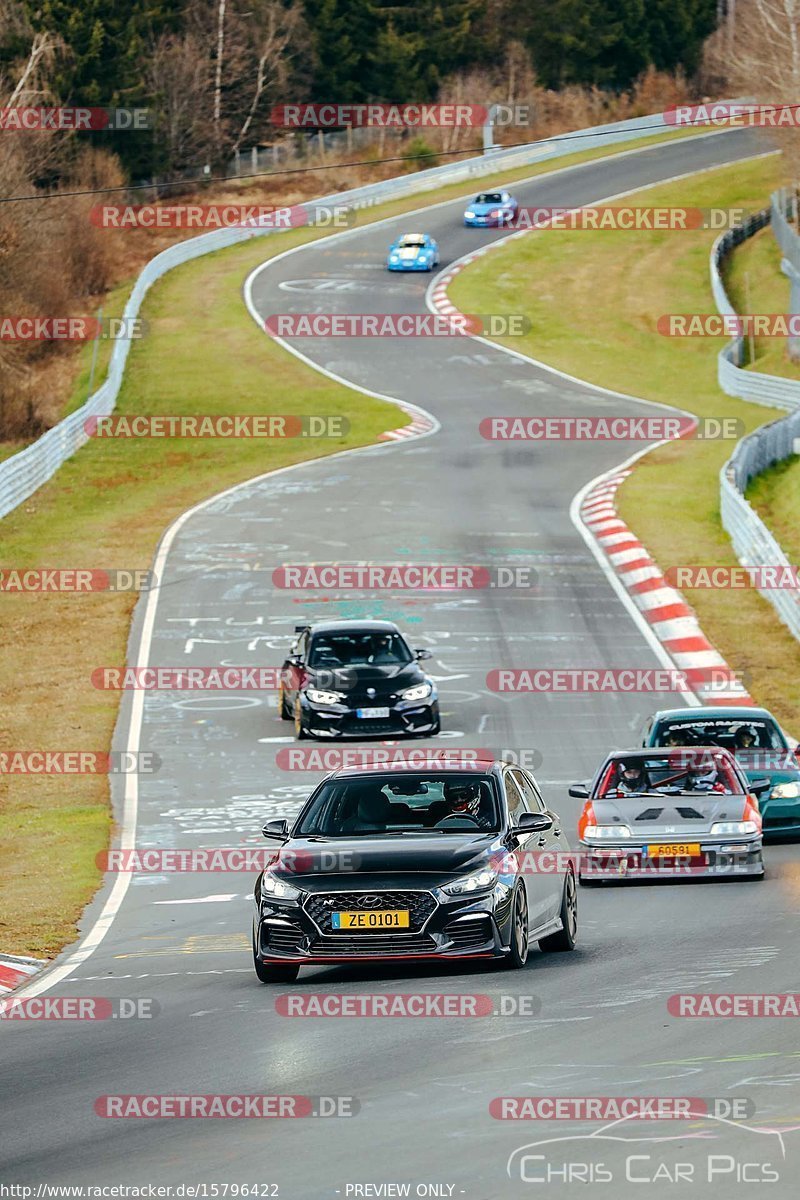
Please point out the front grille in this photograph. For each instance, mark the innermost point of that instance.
(367, 944)
(321, 906)
(771, 822)
(469, 935)
(352, 724)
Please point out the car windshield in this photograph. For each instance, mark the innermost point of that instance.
(411, 239)
(688, 771)
(368, 648)
(445, 802)
(743, 738)
(489, 198)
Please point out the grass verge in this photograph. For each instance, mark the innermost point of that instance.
(108, 506)
(594, 299)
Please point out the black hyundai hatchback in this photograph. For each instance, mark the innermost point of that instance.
(356, 679)
(412, 864)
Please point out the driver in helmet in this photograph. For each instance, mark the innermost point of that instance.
(462, 799)
(745, 737)
(631, 777)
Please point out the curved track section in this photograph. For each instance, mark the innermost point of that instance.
(424, 1086)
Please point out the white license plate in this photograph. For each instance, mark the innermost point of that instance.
(371, 714)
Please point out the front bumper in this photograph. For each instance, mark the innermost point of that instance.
(461, 928)
(482, 222)
(718, 859)
(410, 266)
(405, 719)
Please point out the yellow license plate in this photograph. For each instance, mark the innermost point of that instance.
(397, 918)
(674, 850)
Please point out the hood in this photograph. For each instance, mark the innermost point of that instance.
(681, 816)
(385, 681)
(408, 860)
(777, 766)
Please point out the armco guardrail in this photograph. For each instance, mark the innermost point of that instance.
(22, 474)
(755, 546)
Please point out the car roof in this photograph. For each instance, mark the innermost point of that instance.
(670, 751)
(709, 711)
(354, 626)
(478, 766)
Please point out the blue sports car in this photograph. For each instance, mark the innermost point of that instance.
(491, 208)
(413, 252)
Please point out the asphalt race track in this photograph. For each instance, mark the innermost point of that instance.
(424, 1086)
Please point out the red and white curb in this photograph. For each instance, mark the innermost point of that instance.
(15, 970)
(667, 614)
(420, 426)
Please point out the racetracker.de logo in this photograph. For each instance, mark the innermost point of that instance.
(625, 218)
(434, 1005)
(767, 578)
(770, 116)
(78, 1008)
(70, 329)
(58, 118)
(200, 1107)
(763, 325)
(187, 679)
(609, 429)
(79, 762)
(262, 425)
(761, 1004)
(401, 577)
(397, 116)
(397, 325)
(618, 1108)
(75, 579)
(221, 216)
(624, 679)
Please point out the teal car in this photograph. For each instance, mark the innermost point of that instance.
(759, 744)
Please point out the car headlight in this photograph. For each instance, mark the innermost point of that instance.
(469, 214)
(786, 791)
(319, 697)
(598, 833)
(420, 691)
(394, 258)
(274, 888)
(478, 881)
(730, 828)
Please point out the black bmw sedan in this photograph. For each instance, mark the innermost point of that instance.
(404, 864)
(356, 679)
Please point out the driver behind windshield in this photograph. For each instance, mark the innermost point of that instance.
(631, 777)
(461, 799)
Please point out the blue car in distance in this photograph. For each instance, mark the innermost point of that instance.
(413, 252)
(491, 208)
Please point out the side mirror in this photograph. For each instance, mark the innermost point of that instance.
(797, 752)
(759, 786)
(579, 791)
(276, 829)
(423, 653)
(534, 823)
(294, 660)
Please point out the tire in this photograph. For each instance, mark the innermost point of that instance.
(565, 938)
(517, 957)
(299, 732)
(283, 708)
(275, 972)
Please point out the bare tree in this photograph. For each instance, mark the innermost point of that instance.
(757, 53)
